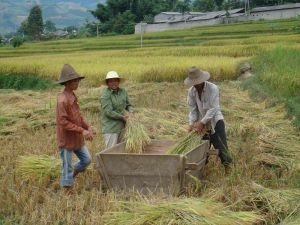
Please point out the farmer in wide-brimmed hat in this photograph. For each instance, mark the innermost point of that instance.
(72, 129)
(116, 109)
(205, 112)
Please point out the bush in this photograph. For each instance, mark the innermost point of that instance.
(17, 41)
(24, 82)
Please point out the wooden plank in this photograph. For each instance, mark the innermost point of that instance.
(147, 165)
(102, 170)
(118, 148)
(198, 153)
(145, 183)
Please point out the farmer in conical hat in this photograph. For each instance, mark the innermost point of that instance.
(116, 109)
(72, 129)
(204, 111)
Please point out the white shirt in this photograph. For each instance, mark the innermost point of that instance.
(207, 109)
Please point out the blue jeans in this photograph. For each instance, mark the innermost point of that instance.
(67, 166)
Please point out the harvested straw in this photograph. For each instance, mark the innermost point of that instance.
(136, 136)
(186, 144)
(38, 167)
(178, 212)
(276, 204)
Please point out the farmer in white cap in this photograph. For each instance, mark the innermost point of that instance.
(205, 112)
(72, 129)
(116, 109)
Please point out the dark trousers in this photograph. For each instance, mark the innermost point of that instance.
(219, 141)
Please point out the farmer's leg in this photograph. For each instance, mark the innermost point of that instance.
(111, 139)
(219, 141)
(84, 157)
(67, 168)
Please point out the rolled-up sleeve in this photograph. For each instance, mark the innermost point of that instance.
(193, 111)
(214, 106)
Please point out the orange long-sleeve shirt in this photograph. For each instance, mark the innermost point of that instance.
(69, 122)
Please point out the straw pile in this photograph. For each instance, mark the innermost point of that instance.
(38, 167)
(186, 144)
(178, 212)
(136, 136)
(275, 204)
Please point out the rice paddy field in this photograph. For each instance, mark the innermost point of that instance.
(263, 187)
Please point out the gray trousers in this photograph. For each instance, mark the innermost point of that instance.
(112, 139)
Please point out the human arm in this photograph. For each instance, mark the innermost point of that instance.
(107, 108)
(193, 110)
(214, 106)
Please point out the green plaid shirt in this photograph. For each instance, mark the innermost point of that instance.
(113, 105)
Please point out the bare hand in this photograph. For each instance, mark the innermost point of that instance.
(92, 130)
(199, 127)
(88, 135)
(190, 128)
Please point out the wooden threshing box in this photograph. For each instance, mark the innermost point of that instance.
(152, 171)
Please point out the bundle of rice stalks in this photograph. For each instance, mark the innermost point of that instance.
(38, 167)
(276, 204)
(186, 144)
(277, 152)
(291, 220)
(178, 212)
(163, 124)
(136, 136)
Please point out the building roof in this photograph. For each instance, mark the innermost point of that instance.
(216, 14)
(171, 13)
(276, 7)
(195, 13)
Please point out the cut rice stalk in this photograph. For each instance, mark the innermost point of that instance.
(38, 167)
(178, 212)
(136, 136)
(186, 144)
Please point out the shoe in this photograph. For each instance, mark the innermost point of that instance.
(227, 169)
(75, 173)
(69, 190)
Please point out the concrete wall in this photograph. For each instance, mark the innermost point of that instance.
(267, 15)
(279, 14)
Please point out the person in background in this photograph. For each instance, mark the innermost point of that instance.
(115, 109)
(72, 129)
(205, 112)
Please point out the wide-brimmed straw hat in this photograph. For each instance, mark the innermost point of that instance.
(196, 76)
(68, 73)
(112, 75)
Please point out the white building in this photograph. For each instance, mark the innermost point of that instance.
(188, 20)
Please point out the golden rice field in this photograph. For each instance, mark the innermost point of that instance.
(263, 187)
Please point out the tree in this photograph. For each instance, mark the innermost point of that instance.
(49, 26)
(219, 4)
(204, 5)
(24, 28)
(35, 22)
(183, 6)
(124, 23)
(17, 41)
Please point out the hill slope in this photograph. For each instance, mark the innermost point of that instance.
(62, 13)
